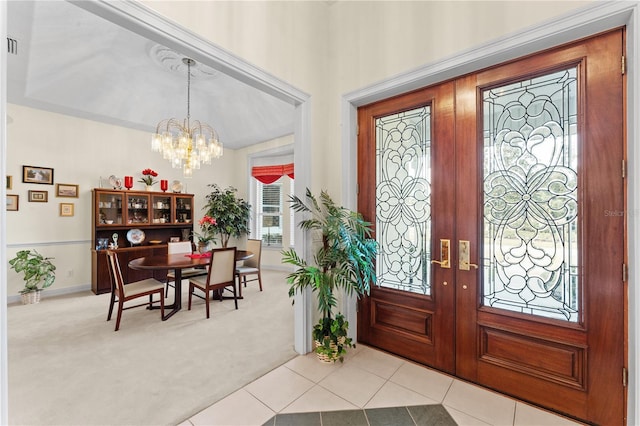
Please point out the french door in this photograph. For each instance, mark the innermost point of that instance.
(497, 200)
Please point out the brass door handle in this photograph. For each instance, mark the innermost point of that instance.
(464, 264)
(445, 254)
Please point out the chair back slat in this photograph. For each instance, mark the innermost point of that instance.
(116, 273)
(255, 247)
(179, 247)
(222, 266)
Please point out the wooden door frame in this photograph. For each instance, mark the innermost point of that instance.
(582, 23)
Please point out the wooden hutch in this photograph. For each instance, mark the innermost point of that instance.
(118, 213)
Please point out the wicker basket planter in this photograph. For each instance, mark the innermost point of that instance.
(31, 297)
(329, 358)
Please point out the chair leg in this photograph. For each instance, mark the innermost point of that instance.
(162, 296)
(120, 309)
(239, 285)
(206, 300)
(190, 293)
(260, 280)
(113, 301)
(235, 296)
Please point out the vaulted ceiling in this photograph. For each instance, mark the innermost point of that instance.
(69, 61)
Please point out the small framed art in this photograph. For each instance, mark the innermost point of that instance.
(67, 190)
(66, 209)
(9, 182)
(12, 202)
(32, 174)
(38, 196)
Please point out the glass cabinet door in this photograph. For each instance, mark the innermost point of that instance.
(137, 209)
(160, 209)
(109, 209)
(184, 209)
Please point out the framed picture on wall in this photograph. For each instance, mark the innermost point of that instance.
(12, 202)
(38, 196)
(32, 174)
(9, 182)
(66, 209)
(67, 190)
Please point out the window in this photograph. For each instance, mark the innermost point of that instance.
(269, 210)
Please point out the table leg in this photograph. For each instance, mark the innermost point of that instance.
(177, 301)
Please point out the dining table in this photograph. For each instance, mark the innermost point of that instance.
(178, 262)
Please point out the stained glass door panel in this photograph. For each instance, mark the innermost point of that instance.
(403, 200)
(531, 142)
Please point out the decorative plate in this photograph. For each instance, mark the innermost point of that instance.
(155, 241)
(135, 236)
(176, 186)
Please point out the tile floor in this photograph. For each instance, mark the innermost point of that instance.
(368, 380)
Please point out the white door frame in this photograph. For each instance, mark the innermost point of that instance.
(591, 20)
(140, 19)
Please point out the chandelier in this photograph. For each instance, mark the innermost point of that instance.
(186, 144)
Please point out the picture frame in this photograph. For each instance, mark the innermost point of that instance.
(9, 182)
(38, 196)
(67, 190)
(174, 239)
(12, 202)
(34, 174)
(66, 209)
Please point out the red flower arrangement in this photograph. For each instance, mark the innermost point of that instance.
(207, 224)
(148, 177)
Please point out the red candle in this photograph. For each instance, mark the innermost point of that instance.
(128, 182)
(164, 185)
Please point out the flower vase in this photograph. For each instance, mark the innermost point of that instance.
(149, 188)
(202, 248)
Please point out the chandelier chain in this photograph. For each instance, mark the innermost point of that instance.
(188, 93)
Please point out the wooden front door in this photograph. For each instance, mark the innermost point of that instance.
(498, 203)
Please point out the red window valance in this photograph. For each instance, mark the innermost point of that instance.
(270, 174)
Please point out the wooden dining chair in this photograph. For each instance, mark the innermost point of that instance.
(221, 275)
(121, 292)
(250, 266)
(186, 248)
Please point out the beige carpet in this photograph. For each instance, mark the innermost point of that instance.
(68, 367)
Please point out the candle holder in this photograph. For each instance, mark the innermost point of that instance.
(164, 185)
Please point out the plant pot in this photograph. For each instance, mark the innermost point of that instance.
(31, 297)
(329, 358)
(149, 188)
(202, 247)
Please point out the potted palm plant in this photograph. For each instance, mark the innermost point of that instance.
(230, 212)
(38, 273)
(344, 260)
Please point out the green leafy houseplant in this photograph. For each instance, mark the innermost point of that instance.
(38, 270)
(343, 261)
(231, 213)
